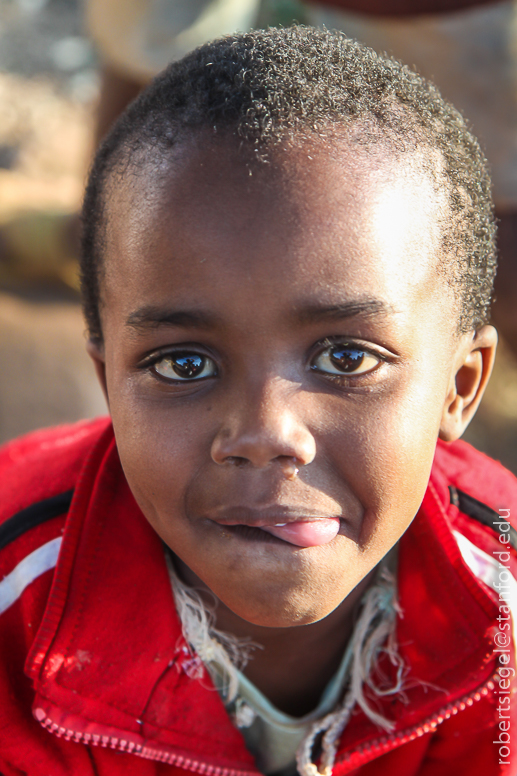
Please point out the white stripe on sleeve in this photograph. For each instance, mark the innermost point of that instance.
(27, 570)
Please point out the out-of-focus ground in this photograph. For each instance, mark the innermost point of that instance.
(45, 376)
(48, 88)
(47, 101)
(45, 140)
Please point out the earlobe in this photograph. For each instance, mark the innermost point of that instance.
(476, 360)
(96, 352)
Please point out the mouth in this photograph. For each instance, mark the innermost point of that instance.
(298, 530)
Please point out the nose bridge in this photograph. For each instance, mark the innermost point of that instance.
(262, 423)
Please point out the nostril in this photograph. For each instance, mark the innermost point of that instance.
(290, 466)
(236, 460)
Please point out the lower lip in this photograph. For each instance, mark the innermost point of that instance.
(302, 533)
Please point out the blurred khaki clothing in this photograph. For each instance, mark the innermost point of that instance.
(140, 37)
(471, 56)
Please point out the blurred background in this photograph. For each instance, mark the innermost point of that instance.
(69, 67)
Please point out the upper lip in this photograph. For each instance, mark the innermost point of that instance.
(268, 516)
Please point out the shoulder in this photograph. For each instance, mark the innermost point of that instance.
(461, 466)
(479, 496)
(43, 465)
(38, 474)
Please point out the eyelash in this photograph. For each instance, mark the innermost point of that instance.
(150, 362)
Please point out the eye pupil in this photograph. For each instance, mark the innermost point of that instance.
(188, 365)
(346, 359)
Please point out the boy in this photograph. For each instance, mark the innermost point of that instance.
(288, 260)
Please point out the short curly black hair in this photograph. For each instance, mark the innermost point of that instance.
(267, 85)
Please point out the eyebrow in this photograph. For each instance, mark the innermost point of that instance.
(150, 317)
(368, 308)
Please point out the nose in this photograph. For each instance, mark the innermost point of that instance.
(261, 429)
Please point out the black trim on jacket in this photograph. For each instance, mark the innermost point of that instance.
(481, 512)
(32, 516)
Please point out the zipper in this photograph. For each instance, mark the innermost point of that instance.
(388, 742)
(141, 750)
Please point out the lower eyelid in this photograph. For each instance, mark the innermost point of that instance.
(350, 379)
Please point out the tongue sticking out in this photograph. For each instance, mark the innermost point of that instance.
(309, 533)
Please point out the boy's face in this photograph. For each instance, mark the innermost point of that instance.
(260, 314)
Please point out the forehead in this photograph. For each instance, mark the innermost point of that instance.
(314, 218)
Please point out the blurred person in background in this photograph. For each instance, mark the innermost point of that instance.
(136, 39)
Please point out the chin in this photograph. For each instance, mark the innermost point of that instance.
(279, 614)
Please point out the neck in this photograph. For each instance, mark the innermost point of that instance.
(295, 664)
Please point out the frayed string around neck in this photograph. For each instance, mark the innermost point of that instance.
(230, 653)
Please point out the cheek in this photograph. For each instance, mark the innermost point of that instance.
(162, 449)
(384, 446)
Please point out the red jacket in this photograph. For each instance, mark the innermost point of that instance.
(94, 675)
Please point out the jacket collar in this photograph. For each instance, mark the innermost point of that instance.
(109, 662)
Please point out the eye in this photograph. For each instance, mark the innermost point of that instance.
(343, 359)
(184, 366)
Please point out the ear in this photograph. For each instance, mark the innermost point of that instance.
(96, 353)
(472, 371)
